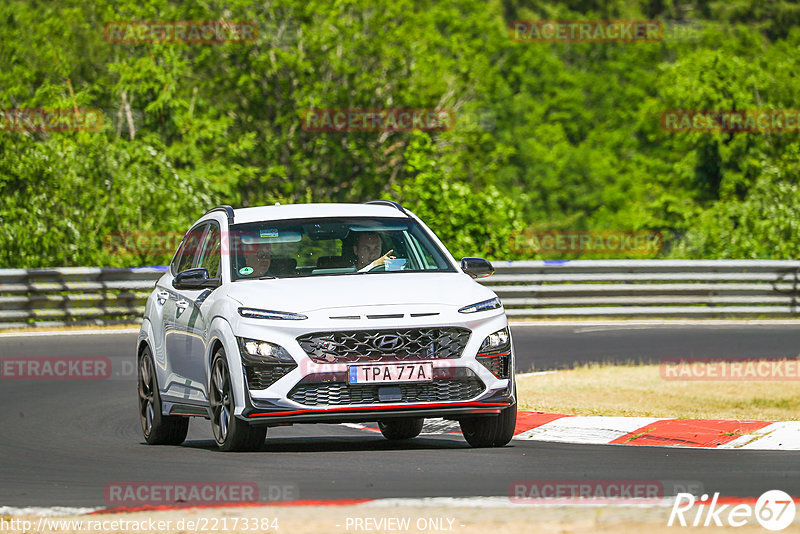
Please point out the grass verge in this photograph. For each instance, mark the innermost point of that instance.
(639, 390)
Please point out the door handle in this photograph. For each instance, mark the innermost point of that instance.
(181, 305)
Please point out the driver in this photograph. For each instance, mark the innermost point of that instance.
(257, 256)
(368, 252)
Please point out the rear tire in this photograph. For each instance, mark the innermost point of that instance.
(490, 431)
(158, 429)
(397, 429)
(230, 432)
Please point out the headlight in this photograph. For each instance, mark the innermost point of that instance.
(253, 313)
(257, 351)
(491, 304)
(495, 342)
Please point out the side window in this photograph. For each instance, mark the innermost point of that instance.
(210, 257)
(421, 254)
(190, 248)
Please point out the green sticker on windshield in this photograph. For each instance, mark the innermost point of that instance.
(244, 271)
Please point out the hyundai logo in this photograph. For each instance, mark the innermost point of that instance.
(388, 342)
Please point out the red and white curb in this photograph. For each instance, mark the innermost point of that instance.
(698, 433)
(653, 431)
(427, 502)
(439, 502)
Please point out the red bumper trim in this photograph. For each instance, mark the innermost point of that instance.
(490, 355)
(369, 408)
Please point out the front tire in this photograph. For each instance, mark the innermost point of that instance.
(230, 432)
(490, 431)
(398, 429)
(158, 429)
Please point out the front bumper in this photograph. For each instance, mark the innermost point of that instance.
(314, 392)
(275, 415)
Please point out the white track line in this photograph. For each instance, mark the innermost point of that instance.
(438, 426)
(45, 511)
(431, 502)
(49, 333)
(502, 502)
(534, 373)
(357, 426)
(783, 435)
(598, 430)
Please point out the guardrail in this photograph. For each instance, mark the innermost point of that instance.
(652, 288)
(587, 288)
(74, 295)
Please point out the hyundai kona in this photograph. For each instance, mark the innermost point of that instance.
(322, 313)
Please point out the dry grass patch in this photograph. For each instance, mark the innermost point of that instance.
(639, 390)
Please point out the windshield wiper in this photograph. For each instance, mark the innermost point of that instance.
(268, 277)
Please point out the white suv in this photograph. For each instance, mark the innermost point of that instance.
(322, 313)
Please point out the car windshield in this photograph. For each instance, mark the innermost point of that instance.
(332, 246)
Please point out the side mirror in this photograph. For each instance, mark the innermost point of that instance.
(194, 279)
(477, 267)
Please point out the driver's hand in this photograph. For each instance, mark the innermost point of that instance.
(382, 259)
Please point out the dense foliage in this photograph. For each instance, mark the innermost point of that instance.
(547, 136)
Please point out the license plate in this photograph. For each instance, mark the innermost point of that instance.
(390, 373)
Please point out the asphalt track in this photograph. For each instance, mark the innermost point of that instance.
(64, 441)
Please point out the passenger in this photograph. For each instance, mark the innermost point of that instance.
(258, 257)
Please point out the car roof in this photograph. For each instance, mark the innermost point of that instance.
(306, 211)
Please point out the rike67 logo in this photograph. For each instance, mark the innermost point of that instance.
(774, 510)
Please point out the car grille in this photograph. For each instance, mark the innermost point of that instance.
(339, 393)
(263, 376)
(353, 346)
(497, 365)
